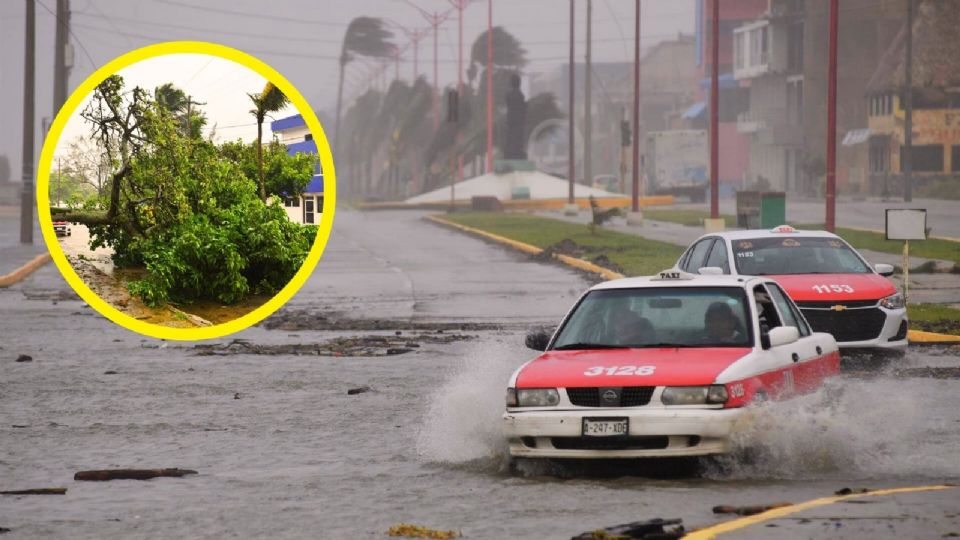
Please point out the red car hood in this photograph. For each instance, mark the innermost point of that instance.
(835, 287)
(674, 367)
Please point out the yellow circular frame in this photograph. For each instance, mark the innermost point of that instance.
(43, 199)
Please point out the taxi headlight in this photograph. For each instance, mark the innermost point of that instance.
(511, 397)
(537, 397)
(894, 301)
(694, 395)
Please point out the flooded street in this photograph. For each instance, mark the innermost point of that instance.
(283, 451)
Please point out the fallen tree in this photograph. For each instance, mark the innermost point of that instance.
(130, 474)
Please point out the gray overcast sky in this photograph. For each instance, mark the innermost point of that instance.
(301, 39)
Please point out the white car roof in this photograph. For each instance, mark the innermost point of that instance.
(770, 233)
(683, 280)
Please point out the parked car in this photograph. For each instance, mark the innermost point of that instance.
(836, 289)
(62, 228)
(661, 366)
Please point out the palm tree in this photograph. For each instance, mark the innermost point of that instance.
(366, 36)
(268, 101)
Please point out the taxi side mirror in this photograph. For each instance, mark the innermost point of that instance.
(783, 335)
(537, 339)
(885, 270)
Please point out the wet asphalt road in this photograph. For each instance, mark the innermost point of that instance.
(296, 457)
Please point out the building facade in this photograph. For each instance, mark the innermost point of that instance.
(296, 136)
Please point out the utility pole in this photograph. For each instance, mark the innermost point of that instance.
(489, 160)
(587, 103)
(571, 123)
(907, 159)
(832, 120)
(62, 62)
(26, 200)
(460, 6)
(635, 173)
(714, 113)
(435, 20)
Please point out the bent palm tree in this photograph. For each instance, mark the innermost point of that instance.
(268, 101)
(366, 36)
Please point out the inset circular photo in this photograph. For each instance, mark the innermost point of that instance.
(186, 190)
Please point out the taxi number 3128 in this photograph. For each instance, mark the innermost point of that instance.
(619, 370)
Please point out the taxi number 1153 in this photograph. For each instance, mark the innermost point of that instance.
(826, 289)
(619, 370)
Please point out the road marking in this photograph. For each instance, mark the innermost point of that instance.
(728, 526)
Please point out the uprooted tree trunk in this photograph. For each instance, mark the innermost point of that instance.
(130, 474)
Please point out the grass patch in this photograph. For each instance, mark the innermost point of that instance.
(688, 217)
(927, 249)
(636, 256)
(934, 318)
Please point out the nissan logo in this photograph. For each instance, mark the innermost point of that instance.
(610, 396)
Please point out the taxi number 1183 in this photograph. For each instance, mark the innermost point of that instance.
(619, 370)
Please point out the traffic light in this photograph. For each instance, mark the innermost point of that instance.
(625, 133)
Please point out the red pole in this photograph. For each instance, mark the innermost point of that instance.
(436, 111)
(571, 152)
(714, 116)
(635, 176)
(461, 4)
(832, 121)
(489, 164)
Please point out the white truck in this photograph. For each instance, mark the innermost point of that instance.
(678, 163)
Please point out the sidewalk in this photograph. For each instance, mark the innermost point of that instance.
(934, 288)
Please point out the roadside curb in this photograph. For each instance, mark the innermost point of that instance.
(573, 262)
(931, 338)
(20, 273)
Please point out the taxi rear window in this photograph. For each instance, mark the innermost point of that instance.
(785, 255)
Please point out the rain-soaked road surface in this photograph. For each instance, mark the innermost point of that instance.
(284, 452)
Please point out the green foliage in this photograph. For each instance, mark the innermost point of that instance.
(189, 212)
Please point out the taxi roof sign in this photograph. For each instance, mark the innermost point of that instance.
(672, 274)
(783, 229)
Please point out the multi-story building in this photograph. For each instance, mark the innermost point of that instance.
(293, 133)
(935, 146)
(768, 57)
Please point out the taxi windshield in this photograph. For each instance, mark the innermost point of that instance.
(658, 317)
(796, 255)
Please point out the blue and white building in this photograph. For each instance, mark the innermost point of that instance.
(293, 133)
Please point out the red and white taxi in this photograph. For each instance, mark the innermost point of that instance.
(836, 289)
(662, 366)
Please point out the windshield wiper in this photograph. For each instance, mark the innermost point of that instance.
(664, 345)
(581, 346)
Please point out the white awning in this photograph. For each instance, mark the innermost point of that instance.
(856, 136)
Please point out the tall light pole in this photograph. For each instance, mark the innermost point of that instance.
(714, 113)
(435, 19)
(635, 173)
(460, 6)
(489, 160)
(61, 64)
(907, 165)
(26, 198)
(587, 103)
(832, 120)
(571, 152)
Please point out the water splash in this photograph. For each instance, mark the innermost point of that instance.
(860, 428)
(462, 424)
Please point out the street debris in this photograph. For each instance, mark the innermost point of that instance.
(747, 510)
(659, 529)
(36, 491)
(595, 254)
(110, 372)
(928, 372)
(366, 346)
(4, 530)
(24, 358)
(408, 530)
(358, 390)
(130, 474)
(298, 320)
(848, 491)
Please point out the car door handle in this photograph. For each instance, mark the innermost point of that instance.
(796, 357)
(819, 350)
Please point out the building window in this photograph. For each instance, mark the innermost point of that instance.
(308, 214)
(291, 202)
(955, 158)
(879, 158)
(926, 158)
(795, 101)
(319, 204)
(795, 48)
(308, 137)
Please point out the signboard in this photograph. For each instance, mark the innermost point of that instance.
(906, 224)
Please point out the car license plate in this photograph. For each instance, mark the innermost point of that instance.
(605, 427)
